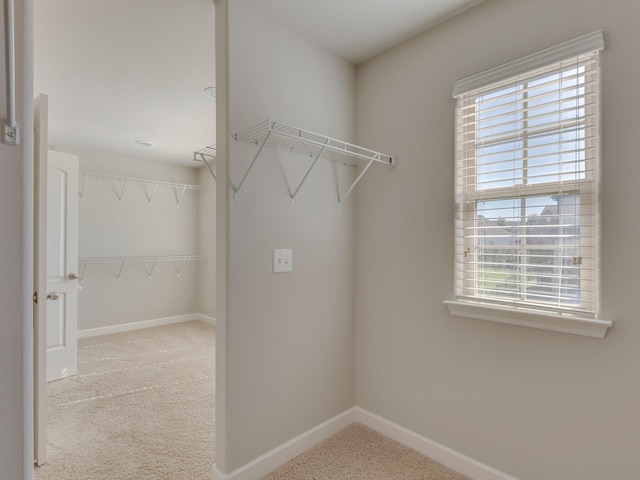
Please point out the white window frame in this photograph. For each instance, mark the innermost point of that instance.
(522, 313)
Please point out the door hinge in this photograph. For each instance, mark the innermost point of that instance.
(35, 297)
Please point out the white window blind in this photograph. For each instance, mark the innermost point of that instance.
(527, 170)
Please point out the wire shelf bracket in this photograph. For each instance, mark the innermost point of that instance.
(207, 155)
(149, 261)
(270, 133)
(150, 186)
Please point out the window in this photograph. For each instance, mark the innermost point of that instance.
(527, 175)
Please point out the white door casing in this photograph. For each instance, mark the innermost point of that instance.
(40, 279)
(62, 265)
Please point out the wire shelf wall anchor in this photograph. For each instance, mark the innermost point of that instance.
(153, 262)
(270, 133)
(179, 196)
(153, 191)
(124, 185)
(83, 188)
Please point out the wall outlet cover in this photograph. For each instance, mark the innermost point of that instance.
(282, 260)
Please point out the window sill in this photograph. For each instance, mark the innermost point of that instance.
(589, 327)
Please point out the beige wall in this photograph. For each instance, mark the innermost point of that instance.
(534, 404)
(14, 246)
(207, 244)
(11, 309)
(109, 227)
(288, 337)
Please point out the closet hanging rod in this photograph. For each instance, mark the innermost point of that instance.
(159, 258)
(178, 188)
(207, 155)
(146, 181)
(11, 131)
(148, 260)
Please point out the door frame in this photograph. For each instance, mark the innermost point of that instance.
(40, 279)
(25, 24)
(25, 27)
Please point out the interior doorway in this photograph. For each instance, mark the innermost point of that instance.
(131, 89)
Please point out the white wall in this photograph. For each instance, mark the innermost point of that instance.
(110, 227)
(288, 338)
(207, 244)
(534, 404)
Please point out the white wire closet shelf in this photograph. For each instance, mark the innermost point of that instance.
(150, 262)
(151, 186)
(270, 133)
(207, 155)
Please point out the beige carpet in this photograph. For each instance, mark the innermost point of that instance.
(360, 453)
(141, 407)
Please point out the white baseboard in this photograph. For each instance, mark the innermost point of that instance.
(156, 322)
(206, 319)
(280, 455)
(432, 449)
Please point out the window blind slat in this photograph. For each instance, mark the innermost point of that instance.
(514, 175)
(491, 110)
(491, 98)
(472, 160)
(533, 134)
(538, 296)
(535, 307)
(548, 121)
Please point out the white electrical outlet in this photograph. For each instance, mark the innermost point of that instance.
(282, 260)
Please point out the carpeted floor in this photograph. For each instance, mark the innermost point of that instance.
(141, 407)
(360, 453)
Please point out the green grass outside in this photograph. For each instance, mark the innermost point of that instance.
(491, 278)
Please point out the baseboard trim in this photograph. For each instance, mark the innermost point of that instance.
(432, 449)
(206, 319)
(280, 455)
(156, 322)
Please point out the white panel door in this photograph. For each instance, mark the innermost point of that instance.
(62, 265)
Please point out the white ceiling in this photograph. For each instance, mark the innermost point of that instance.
(358, 30)
(117, 71)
